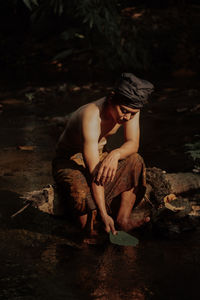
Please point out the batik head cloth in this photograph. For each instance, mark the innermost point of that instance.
(134, 91)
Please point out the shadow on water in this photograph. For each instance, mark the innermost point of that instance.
(40, 260)
(32, 255)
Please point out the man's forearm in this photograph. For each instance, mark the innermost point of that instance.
(91, 158)
(98, 194)
(126, 149)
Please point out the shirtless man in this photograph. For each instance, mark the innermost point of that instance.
(89, 178)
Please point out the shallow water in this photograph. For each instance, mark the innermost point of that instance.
(41, 257)
(37, 264)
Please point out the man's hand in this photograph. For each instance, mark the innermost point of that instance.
(109, 224)
(108, 168)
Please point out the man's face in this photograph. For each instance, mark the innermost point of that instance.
(124, 113)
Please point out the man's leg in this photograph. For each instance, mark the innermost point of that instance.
(87, 222)
(71, 179)
(124, 219)
(83, 220)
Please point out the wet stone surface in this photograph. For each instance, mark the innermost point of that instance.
(41, 257)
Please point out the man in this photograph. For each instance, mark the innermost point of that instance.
(89, 178)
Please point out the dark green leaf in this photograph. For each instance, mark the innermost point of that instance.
(123, 239)
(29, 3)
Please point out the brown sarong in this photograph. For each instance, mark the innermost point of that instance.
(73, 181)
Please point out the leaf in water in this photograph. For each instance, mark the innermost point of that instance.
(123, 238)
(80, 36)
(12, 101)
(26, 148)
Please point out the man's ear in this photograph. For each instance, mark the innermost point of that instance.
(110, 96)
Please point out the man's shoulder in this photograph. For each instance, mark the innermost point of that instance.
(83, 111)
(90, 110)
(88, 113)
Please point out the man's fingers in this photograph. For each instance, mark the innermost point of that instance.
(100, 172)
(113, 229)
(107, 229)
(108, 177)
(113, 175)
(104, 175)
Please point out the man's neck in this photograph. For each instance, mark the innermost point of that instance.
(106, 114)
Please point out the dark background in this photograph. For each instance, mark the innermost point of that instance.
(56, 55)
(85, 45)
(76, 39)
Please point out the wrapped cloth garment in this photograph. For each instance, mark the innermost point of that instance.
(73, 181)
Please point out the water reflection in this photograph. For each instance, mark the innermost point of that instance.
(113, 274)
(98, 272)
(41, 259)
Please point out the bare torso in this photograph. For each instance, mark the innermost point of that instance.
(72, 139)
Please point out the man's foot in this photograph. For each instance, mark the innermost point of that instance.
(132, 222)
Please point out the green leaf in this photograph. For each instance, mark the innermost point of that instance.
(28, 3)
(35, 2)
(123, 238)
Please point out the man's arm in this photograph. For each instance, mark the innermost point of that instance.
(91, 133)
(130, 146)
(131, 136)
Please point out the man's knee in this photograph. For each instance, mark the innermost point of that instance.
(137, 170)
(135, 159)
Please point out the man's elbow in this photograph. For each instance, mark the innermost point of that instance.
(135, 150)
(134, 147)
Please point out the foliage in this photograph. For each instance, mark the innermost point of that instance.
(193, 150)
(99, 24)
(30, 3)
(116, 34)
